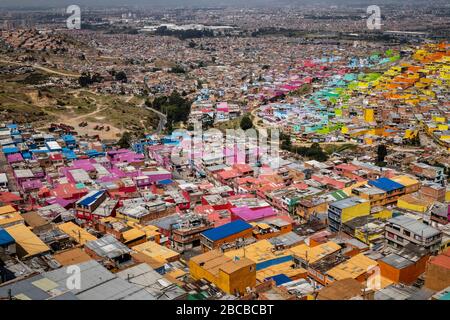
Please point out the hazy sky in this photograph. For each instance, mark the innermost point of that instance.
(189, 3)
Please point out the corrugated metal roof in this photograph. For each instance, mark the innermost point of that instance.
(226, 230)
(386, 184)
(90, 198)
(280, 279)
(5, 238)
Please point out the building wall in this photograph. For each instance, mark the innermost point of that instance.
(436, 277)
(232, 283)
(406, 275)
(283, 230)
(411, 206)
(238, 281)
(243, 234)
(359, 210)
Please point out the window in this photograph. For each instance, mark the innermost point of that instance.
(390, 235)
(407, 233)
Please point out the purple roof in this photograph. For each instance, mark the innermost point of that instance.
(16, 157)
(31, 184)
(85, 164)
(62, 202)
(247, 214)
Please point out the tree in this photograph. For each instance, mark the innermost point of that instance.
(246, 122)
(125, 140)
(286, 143)
(85, 79)
(121, 76)
(381, 153)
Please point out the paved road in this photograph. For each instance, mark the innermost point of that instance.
(162, 119)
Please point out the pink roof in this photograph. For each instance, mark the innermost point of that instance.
(247, 214)
(347, 167)
(16, 157)
(31, 184)
(85, 164)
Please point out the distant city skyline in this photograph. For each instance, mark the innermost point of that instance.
(47, 4)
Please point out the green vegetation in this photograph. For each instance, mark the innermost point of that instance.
(174, 106)
(304, 89)
(87, 79)
(246, 122)
(125, 140)
(314, 152)
(337, 148)
(177, 69)
(184, 34)
(381, 154)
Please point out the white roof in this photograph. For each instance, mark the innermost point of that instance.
(24, 173)
(3, 178)
(53, 145)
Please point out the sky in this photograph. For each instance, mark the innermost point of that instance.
(186, 3)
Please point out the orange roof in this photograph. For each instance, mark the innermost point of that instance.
(441, 260)
(66, 190)
(228, 174)
(242, 167)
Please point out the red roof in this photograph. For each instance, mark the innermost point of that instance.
(67, 190)
(228, 174)
(8, 197)
(441, 260)
(56, 157)
(243, 167)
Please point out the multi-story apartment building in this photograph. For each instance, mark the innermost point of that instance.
(403, 230)
(344, 210)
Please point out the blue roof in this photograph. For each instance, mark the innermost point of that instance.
(165, 181)
(43, 150)
(226, 230)
(26, 155)
(386, 184)
(68, 138)
(5, 238)
(70, 155)
(10, 150)
(445, 296)
(12, 126)
(273, 262)
(91, 198)
(280, 279)
(93, 153)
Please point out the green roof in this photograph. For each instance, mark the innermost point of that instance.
(339, 195)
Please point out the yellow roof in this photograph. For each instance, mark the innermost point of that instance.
(405, 180)
(78, 234)
(27, 240)
(314, 254)
(282, 268)
(149, 230)
(352, 268)
(156, 251)
(8, 219)
(7, 209)
(349, 189)
(263, 225)
(132, 234)
(258, 252)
